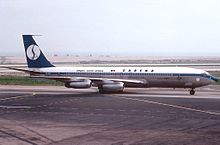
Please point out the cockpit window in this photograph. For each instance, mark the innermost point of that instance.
(204, 74)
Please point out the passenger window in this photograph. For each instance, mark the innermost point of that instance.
(146, 70)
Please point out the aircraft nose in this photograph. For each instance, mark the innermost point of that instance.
(214, 78)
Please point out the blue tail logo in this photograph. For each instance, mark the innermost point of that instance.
(34, 55)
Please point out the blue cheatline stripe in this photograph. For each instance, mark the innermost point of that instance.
(140, 74)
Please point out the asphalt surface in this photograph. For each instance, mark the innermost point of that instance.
(60, 116)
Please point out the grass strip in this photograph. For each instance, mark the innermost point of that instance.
(25, 80)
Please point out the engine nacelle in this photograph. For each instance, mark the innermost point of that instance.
(112, 87)
(79, 84)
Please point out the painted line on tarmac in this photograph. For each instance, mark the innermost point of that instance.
(173, 106)
(213, 96)
(17, 97)
(15, 107)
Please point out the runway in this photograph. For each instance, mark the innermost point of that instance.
(59, 116)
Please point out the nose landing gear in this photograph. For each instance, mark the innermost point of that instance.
(192, 92)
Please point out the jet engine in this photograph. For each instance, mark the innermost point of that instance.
(79, 84)
(111, 87)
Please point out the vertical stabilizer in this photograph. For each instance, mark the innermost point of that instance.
(34, 55)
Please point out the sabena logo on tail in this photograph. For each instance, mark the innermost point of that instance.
(33, 52)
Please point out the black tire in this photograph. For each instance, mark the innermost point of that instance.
(101, 91)
(192, 92)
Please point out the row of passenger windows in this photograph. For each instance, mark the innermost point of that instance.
(143, 74)
(122, 73)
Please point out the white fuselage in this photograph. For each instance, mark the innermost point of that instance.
(170, 77)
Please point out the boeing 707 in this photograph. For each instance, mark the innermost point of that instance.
(112, 79)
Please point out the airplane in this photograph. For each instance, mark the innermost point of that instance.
(112, 79)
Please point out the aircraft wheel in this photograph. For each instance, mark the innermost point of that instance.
(101, 91)
(192, 92)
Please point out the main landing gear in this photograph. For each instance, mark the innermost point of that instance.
(192, 92)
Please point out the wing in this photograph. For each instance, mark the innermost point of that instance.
(96, 81)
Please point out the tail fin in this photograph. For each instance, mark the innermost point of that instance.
(34, 55)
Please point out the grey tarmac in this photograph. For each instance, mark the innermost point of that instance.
(54, 115)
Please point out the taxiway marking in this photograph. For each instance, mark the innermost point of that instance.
(17, 97)
(15, 107)
(173, 106)
(212, 96)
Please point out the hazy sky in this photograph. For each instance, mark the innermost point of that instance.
(113, 27)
